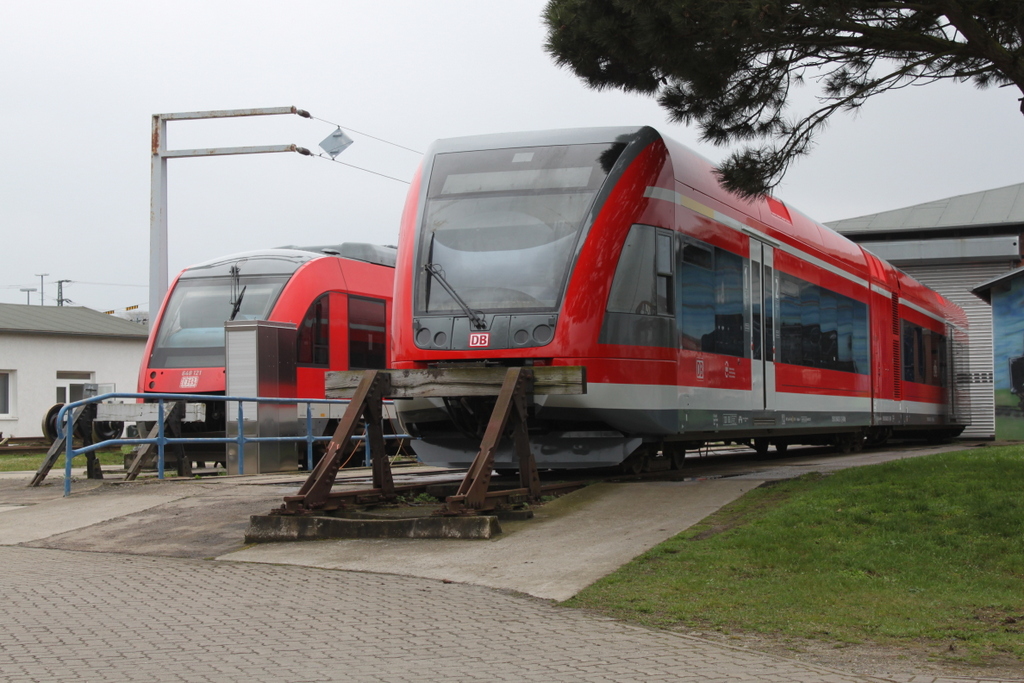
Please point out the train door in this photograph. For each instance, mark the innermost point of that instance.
(763, 309)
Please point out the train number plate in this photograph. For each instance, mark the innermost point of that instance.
(479, 339)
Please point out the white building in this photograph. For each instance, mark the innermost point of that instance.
(48, 354)
(952, 245)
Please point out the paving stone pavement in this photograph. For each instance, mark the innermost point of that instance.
(79, 616)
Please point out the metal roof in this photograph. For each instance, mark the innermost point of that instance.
(984, 290)
(68, 320)
(990, 207)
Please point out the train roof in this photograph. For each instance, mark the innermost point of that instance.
(537, 138)
(768, 215)
(286, 260)
(379, 254)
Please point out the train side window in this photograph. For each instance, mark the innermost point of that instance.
(367, 333)
(711, 304)
(820, 328)
(663, 268)
(634, 284)
(924, 355)
(756, 301)
(314, 334)
(769, 315)
(640, 303)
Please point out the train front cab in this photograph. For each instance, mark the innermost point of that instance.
(341, 308)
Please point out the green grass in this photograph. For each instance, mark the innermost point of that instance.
(924, 550)
(30, 462)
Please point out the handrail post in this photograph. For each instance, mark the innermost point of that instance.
(241, 439)
(160, 440)
(367, 456)
(309, 436)
(68, 450)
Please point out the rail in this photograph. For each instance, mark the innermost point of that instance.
(161, 440)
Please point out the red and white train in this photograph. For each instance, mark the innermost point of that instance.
(699, 316)
(339, 296)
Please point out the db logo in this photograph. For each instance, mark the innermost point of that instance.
(478, 339)
(700, 368)
(189, 382)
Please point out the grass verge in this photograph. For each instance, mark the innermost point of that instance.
(30, 462)
(922, 550)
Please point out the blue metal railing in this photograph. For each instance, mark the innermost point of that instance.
(161, 440)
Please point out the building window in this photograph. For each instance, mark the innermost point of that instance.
(6, 384)
(71, 385)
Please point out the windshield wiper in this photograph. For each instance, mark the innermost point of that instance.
(237, 304)
(474, 316)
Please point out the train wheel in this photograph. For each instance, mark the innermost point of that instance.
(940, 437)
(781, 447)
(850, 443)
(760, 445)
(104, 431)
(634, 464)
(877, 437)
(49, 426)
(677, 458)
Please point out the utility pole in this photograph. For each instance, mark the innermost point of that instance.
(28, 293)
(158, 275)
(60, 292)
(41, 276)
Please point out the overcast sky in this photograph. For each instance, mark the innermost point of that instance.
(81, 81)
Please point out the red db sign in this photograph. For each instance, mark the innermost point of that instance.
(479, 339)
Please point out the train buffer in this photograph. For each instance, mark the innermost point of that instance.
(367, 389)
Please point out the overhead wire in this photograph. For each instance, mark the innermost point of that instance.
(360, 168)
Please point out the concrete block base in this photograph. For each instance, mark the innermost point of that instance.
(277, 528)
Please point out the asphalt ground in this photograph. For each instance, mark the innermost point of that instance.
(152, 581)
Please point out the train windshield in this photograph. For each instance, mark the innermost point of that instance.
(501, 226)
(191, 333)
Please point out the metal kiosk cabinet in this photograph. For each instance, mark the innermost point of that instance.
(261, 363)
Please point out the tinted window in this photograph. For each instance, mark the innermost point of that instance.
(502, 224)
(643, 277)
(820, 328)
(640, 302)
(367, 334)
(924, 355)
(711, 302)
(191, 331)
(314, 334)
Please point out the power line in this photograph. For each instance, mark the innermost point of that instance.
(360, 168)
(104, 284)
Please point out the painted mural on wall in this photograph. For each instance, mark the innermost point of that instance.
(1008, 342)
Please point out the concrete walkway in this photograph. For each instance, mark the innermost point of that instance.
(571, 542)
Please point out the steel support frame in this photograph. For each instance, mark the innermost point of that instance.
(315, 494)
(473, 495)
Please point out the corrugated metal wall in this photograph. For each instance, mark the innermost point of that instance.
(955, 282)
